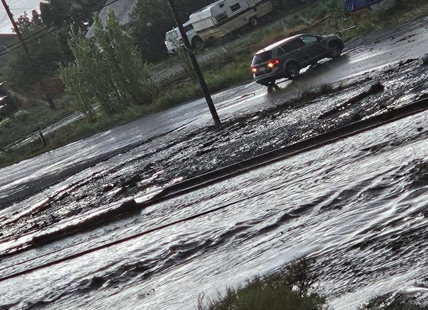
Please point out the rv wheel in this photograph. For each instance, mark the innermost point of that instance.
(253, 21)
(196, 41)
(210, 42)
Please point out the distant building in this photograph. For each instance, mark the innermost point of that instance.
(122, 9)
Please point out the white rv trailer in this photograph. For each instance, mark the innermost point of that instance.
(224, 16)
(173, 38)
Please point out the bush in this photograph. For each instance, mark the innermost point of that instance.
(287, 288)
(21, 115)
(5, 122)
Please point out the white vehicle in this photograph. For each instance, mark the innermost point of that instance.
(225, 16)
(173, 38)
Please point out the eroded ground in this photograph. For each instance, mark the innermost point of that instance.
(100, 194)
(167, 160)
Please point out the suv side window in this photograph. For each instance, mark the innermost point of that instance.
(290, 46)
(309, 39)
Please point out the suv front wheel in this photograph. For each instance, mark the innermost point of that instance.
(334, 49)
(292, 70)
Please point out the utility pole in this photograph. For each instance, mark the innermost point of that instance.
(195, 64)
(24, 46)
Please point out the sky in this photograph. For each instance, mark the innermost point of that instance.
(17, 7)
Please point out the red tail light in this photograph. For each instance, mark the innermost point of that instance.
(254, 69)
(272, 63)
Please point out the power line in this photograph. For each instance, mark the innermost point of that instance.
(44, 31)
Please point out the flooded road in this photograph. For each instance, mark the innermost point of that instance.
(365, 56)
(358, 205)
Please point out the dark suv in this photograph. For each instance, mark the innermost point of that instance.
(285, 58)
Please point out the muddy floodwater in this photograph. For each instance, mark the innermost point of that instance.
(83, 237)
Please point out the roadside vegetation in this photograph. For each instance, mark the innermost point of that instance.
(393, 302)
(119, 85)
(123, 73)
(292, 287)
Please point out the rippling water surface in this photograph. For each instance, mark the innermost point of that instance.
(358, 205)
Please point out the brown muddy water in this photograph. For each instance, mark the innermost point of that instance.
(359, 206)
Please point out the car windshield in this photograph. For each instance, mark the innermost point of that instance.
(171, 35)
(261, 58)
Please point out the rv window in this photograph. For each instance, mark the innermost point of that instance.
(220, 17)
(235, 7)
(188, 27)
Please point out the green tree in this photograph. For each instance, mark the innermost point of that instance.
(59, 14)
(108, 71)
(79, 13)
(45, 51)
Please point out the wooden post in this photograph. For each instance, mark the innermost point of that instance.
(42, 137)
(195, 64)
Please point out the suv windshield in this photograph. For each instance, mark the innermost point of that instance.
(261, 58)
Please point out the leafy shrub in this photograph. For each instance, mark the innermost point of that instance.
(287, 288)
(5, 122)
(22, 115)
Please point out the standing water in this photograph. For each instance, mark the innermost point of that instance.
(358, 206)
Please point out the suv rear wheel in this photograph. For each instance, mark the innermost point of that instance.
(292, 70)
